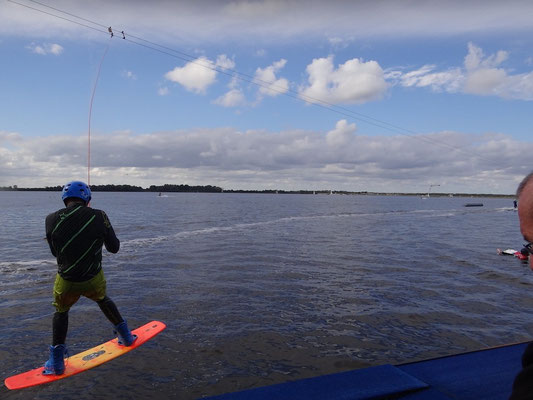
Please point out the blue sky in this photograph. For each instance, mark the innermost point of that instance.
(410, 93)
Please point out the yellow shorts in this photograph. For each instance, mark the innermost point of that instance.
(67, 293)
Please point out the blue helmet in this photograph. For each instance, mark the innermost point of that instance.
(77, 189)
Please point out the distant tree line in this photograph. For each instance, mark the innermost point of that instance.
(215, 189)
(127, 188)
(116, 188)
(44, 189)
(184, 188)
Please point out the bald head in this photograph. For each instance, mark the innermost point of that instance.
(525, 209)
(524, 193)
(525, 182)
(525, 203)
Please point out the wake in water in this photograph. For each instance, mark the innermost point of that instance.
(22, 267)
(151, 241)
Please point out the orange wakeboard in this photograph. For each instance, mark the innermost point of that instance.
(87, 359)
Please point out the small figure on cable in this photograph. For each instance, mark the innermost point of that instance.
(123, 35)
(110, 31)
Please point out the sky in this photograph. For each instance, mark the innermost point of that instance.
(371, 95)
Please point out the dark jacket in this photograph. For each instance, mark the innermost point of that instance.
(523, 383)
(76, 235)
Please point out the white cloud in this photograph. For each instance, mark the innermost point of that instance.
(340, 42)
(233, 98)
(10, 137)
(342, 134)
(480, 75)
(267, 21)
(354, 82)
(484, 77)
(485, 81)
(451, 80)
(335, 41)
(46, 49)
(196, 76)
(293, 159)
(129, 75)
(224, 62)
(163, 91)
(475, 59)
(270, 85)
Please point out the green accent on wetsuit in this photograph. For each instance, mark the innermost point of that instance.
(64, 217)
(76, 235)
(79, 259)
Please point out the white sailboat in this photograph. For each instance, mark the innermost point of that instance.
(429, 190)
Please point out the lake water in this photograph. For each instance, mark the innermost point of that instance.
(258, 289)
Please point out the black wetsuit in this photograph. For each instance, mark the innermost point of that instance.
(76, 235)
(523, 383)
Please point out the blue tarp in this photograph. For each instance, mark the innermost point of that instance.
(485, 374)
(367, 383)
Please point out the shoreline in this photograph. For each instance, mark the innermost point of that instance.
(215, 189)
